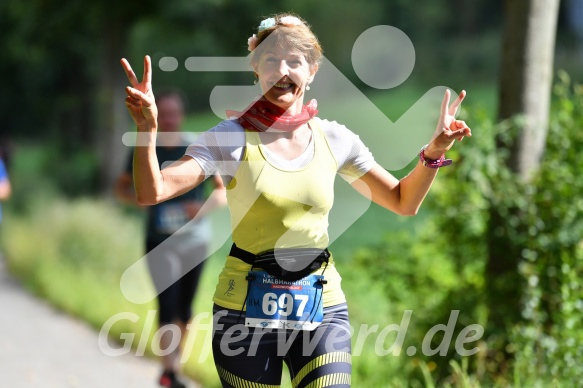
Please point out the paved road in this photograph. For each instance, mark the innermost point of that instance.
(41, 347)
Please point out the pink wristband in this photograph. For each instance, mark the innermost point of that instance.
(431, 163)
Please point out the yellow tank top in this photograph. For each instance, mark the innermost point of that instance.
(276, 208)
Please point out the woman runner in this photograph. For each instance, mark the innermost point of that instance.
(279, 297)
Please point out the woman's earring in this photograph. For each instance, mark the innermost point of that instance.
(308, 87)
(255, 81)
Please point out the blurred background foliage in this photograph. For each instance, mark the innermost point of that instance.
(63, 113)
(445, 258)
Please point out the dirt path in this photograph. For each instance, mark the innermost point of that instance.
(42, 347)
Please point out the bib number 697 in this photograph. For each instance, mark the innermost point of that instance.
(284, 304)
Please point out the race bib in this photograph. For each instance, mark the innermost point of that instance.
(275, 303)
(169, 217)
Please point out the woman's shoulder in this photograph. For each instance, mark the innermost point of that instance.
(222, 143)
(334, 130)
(346, 146)
(227, 133)
(227, 126)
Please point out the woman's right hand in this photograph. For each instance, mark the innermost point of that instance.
(140, 100)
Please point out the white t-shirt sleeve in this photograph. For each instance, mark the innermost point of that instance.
(220, 149)
(353, 157)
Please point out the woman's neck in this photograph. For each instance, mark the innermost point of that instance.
(294, 110)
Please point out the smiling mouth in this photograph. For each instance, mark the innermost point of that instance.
(283, 85)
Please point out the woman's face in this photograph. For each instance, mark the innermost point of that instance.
(283, 77)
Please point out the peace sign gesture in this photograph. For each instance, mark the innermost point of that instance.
(448, 128)
(140, 100)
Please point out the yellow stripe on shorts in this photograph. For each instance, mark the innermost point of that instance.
(317, 362)
(239, 382)
(330, 380)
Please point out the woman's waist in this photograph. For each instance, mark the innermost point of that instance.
(235, 264)
(233, 283)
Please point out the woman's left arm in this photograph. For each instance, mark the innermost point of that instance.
(404, 197)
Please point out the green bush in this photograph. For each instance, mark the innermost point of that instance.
(551, 338)
(442, 267)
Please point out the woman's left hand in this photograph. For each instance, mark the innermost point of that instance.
(448, 128)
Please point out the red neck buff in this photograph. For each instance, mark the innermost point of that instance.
(262, 115)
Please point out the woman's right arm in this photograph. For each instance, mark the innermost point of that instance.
(152, 184)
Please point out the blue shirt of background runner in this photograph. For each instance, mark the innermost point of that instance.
(3, 177)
